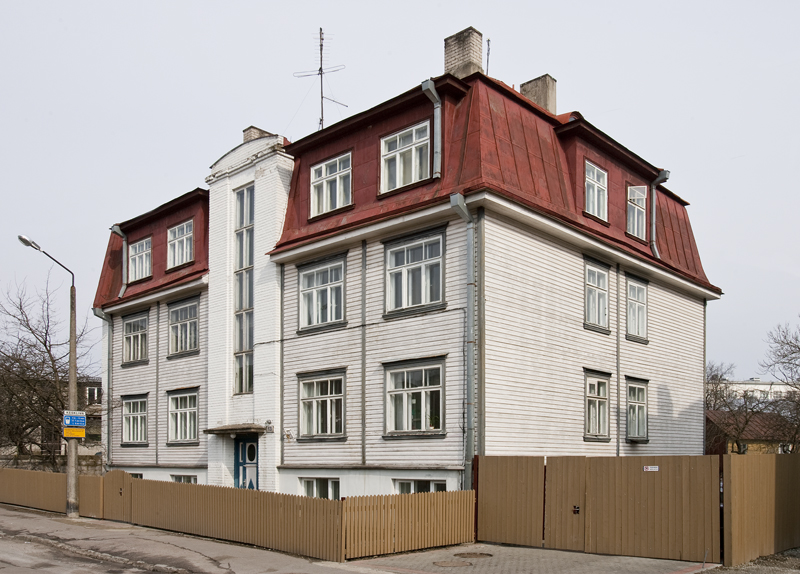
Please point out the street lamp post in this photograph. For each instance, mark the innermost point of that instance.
(72, 397)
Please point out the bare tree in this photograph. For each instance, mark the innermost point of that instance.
(782, 361)
(34, 365)
(717, 386)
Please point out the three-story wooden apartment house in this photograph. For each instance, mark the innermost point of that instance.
(153, 299)
(463, 271)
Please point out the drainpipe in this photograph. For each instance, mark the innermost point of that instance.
(118, 231)
(109, 369)
(430, 91)
(663, 176)
(460, 207)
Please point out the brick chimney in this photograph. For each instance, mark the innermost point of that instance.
(253, 133)
(541, 91)
(463, 53)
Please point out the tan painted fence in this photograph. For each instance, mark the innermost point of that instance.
(762, 505)
(375, 525)
(603, 505)
(325, 529)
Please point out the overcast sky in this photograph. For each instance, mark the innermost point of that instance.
(109, 109)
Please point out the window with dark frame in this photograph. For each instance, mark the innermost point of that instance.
(134, 339)
(322, 294)
(183, 327)
(134, 420)
(322, 406)
(415, 398)
(414, 273)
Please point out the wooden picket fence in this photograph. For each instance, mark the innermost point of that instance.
(333, 530)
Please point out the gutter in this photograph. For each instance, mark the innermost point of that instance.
(109, 368)
(115, 229)
(430, 90)
(663, 176)
(458, 205)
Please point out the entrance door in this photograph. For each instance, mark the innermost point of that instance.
(247, 462)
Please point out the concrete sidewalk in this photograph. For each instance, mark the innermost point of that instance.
(119, 544)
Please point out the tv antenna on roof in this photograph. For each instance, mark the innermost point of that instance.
(321, 72)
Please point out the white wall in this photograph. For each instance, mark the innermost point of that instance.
(537, 349)
(269, 171)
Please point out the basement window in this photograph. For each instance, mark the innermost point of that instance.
(415, 486)
(405, 157)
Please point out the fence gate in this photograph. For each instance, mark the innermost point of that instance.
(117, 496)
(565, 503)
(511, 499)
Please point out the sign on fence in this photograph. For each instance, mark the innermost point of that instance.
(651, 469)
(74, 432)
(74, 421)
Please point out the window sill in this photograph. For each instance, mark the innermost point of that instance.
(312, 329)
(588, 438)
(595, 218)
(134, 445)
(321, 438)
(141, 280)
(596, 328)
(182, 354)
(411, 311)
(130, 364)
(636, 238)
(184, 443)
(243, 394)
(179, 267)
(410, 435)
(637, 440)
(637, 339)
(336, 211)
(382, 194)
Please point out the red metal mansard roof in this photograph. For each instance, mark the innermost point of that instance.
(494, 139)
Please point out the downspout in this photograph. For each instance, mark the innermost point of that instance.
(118, 231)
(460, 207)
(663, 176)
(430, 91)
(109, 369)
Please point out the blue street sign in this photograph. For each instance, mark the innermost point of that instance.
(73, 421)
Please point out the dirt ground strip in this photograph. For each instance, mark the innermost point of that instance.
(788, 561)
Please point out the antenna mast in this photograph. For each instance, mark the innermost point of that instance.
(321, 72)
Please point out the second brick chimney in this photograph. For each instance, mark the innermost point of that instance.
(463, 53)
(253, 133)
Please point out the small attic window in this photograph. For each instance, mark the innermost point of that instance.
(637, 196)
(405, 157)
(596, 191)
(331, 185)
(139, 260)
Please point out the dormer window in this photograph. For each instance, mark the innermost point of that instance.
(596, 191)
(180, 245)
(405, 157)
(637, 195)
(330, 185)
(139, 260)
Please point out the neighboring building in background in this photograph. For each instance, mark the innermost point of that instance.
(763, 390)
(153, 297)
(247, 201)
(588, 309)
(740, 433)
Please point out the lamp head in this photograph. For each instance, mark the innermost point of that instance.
(28, 242)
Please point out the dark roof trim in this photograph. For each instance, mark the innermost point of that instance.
(172, 205)
(582, 129)
(445, 85)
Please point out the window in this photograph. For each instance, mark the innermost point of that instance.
(404, 157)
(330, 185)
(415, 399)
(321, 487)
(637, 309)
(637, 195)
(596, 296)
(414, 273)
(180, 247)
(413, 486)
(321, 292)
(183, 328)
(135, 339)
(94, 395)
(136, 475)
(596, 191)
(183, 417)
(243, 290)
(596, 407)
(134, 420)
(185, 478)
(637, 410)
(139, 260)
(322, 407)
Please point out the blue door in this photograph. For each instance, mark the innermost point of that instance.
(246, 462)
